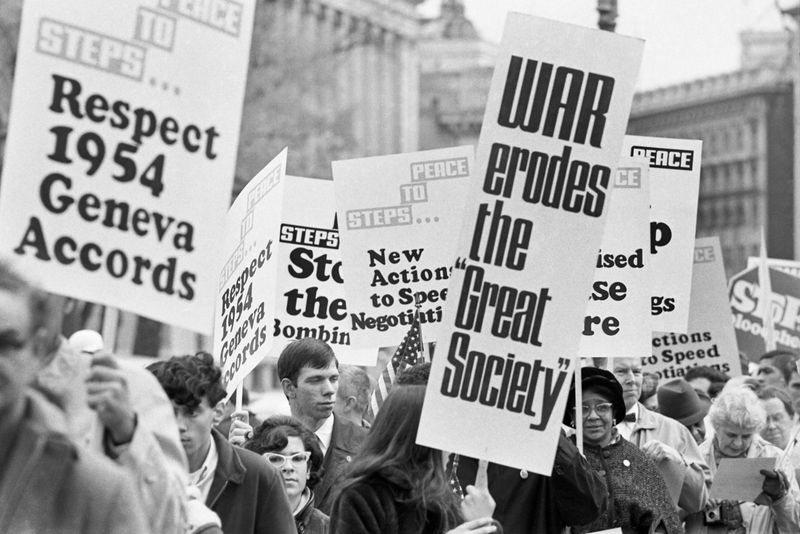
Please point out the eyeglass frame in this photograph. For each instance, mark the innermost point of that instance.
(608, 408)
(305, 454)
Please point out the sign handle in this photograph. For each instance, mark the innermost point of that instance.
(578, 415)
(239, 394)
(110, 324)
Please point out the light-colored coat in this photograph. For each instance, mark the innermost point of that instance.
(781, 517)
(52, 486)
(697, 475)
(154, 458)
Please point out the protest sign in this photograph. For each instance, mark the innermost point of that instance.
(310, 296)
(121, 150)
(787, 266)
(710, 339)
(747, 305)
(533, 225)
(620, 294)
(400, 219)
(674, 189)
(245, 304)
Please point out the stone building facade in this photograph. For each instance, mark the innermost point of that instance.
(456, 69)
(745, 121)
(330, 79)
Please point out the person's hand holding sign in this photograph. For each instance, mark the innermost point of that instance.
(478, 506)
(240, 430)
(108, 395)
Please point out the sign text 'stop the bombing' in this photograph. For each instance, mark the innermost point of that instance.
(579, 98)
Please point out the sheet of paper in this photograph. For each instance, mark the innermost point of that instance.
(739, 478)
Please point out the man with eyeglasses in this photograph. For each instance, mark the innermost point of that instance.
(662, 439)
(245, 492)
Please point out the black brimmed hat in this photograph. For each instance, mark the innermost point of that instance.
(679, 400)
(599, 380)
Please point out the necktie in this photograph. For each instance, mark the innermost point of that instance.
(630, 418)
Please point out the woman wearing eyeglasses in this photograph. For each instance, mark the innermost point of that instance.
(638, 497)
(291, 448)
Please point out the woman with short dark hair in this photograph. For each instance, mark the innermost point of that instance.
(291, 448)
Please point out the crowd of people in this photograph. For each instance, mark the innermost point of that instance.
(92, 444)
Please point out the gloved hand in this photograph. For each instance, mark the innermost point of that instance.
(776, 484)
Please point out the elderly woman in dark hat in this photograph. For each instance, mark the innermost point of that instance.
(638, 497)
(679, 400)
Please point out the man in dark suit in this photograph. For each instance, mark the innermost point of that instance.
(309, 374)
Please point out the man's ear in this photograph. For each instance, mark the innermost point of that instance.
(351, 403)
(219, 412)
(289, 389)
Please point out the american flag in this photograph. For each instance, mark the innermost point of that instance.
(408, 353)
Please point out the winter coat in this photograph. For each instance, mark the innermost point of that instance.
(346, 440)
(380, 504)
(309, 520)
(639, 500)
(50, 485)
(696, 475)
(529, 503)
(781, 517)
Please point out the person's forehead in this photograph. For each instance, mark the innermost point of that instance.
(294, 444)
(774, 406)
(15, 314)
(700, 382)
(731, 428)
(308, 371)
(627, 363)
(592, 394)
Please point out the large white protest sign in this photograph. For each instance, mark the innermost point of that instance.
(121, 150)
(710, 339)
(245, 308)
(400, 216)
(549, 146)
(674, 189)
(310, 295)
(620, 294)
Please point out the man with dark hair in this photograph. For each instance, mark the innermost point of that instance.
(707, 379)
(415, 374)
(352, 399)
(47, 483)
(309, 374)
(237, 484)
